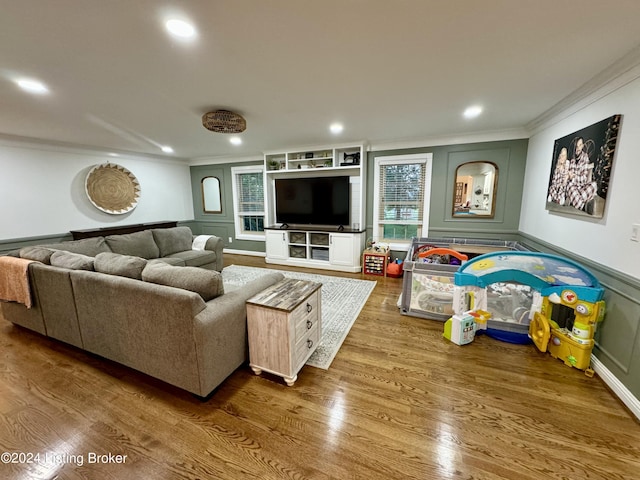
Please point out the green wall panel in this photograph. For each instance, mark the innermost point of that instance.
(510, 157)
(220, 224)
(223, 173)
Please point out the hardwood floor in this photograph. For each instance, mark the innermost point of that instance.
(398, 402)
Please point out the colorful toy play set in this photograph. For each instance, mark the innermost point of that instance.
(566, 303)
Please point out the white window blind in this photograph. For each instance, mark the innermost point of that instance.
(401, 198)
(250, 193)
(402, 188)
(248, 202)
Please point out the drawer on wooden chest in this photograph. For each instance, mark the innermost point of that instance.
(306, 308)
(306, 344)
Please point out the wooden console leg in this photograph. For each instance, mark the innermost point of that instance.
(291, 380)
(256, 370)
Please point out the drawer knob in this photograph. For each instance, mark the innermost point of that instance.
(309, 343)
(309, 308)
(309, 324)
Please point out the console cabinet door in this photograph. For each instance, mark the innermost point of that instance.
(276, 244)
(342, 249)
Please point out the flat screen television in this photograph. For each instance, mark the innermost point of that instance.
(313, 200)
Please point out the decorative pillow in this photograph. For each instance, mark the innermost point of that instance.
(37, 253)
(121, 265)
(173, 240)
(206, 283)
(73, 261)
(138, 244)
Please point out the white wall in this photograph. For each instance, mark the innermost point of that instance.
(42, 190)
(607, 240)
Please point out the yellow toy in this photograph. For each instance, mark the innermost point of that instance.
(565, 326)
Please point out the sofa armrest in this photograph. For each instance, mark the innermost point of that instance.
(215, 244)
(221, 333)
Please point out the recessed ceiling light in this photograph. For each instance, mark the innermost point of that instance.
(336, 128)
(167, 149)
(180, 28)
(236, 140)
(32, 86)
(472, 112)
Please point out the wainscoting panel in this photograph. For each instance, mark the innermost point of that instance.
(11, 245)
(218, 230)
(618, 337)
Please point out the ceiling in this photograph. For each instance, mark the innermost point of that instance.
(389, 71)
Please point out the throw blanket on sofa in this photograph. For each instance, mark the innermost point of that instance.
(200, 241)
(14, 280)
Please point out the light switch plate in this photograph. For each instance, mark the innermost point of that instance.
(635, 232)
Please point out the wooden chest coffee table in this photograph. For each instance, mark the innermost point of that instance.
(284, 327)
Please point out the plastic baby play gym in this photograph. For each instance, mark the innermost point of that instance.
(514, 296)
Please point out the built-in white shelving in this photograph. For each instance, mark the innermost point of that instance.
(340, 160)
(317, 245)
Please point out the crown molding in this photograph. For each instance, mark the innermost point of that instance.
(620, 73)
(456, 139)
(193, 162)
(72, 148)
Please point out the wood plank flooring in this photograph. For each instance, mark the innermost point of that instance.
(398, 402)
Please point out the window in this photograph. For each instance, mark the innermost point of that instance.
(248, 202)
(401, 198)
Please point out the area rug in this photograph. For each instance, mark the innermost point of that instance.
(342, 300)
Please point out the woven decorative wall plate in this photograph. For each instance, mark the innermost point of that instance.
(112, 188)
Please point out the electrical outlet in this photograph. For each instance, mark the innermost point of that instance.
(635, 232)
(230, 240)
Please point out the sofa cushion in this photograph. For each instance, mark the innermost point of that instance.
(138, 244)
(37, 253)
(194, 258)
(206, 283)
(70, 260)
(121, 265)
(170, 260)
(87, 246)
(173, 240)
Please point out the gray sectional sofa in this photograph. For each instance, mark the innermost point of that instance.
(173, 245)
(157, 308)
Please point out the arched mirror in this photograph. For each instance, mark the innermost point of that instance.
(475, 190)
(211, 198)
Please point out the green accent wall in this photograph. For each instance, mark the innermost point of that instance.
(220, 224)
(509, 156)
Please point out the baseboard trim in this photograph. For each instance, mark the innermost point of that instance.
(616, 386)
(250, 253)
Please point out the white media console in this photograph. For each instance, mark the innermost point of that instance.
(315, 246)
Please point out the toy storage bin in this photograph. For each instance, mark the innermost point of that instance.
(427, 288)
(298, 237)
(297, 251)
